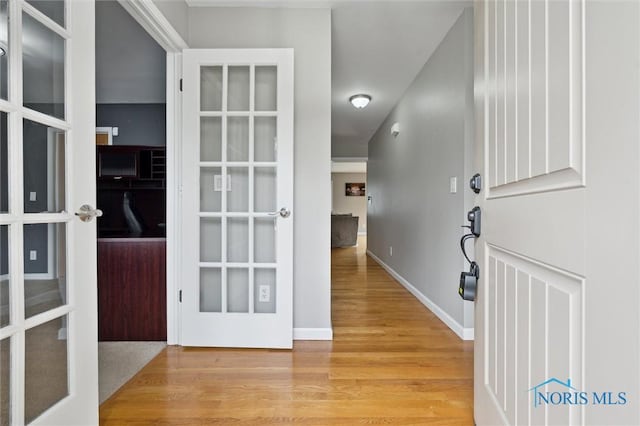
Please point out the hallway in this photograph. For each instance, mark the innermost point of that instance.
(391, 362)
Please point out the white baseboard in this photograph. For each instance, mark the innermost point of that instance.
(455, 326)
(312, 334)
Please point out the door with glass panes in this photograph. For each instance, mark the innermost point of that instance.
(237, 198)
(48, 312)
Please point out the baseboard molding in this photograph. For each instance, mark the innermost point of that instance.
(455, 326)
(312, 334)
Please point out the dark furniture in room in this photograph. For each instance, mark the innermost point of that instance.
(131, 184)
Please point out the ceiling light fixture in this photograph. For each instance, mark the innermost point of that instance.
(360, 101)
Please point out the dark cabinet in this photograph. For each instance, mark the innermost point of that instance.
(132, 303)
(131, 243)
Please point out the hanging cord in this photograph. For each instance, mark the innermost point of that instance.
(462, 241)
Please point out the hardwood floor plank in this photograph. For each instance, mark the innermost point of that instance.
(391, 362)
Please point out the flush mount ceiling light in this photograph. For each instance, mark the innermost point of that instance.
(360, 101)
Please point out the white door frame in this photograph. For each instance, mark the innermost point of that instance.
(158, 27)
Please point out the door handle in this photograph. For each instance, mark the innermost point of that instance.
(86, 213)
(283, 212)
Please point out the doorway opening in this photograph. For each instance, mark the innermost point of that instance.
(131, 183)
(348, 203)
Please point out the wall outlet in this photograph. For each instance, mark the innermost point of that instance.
(32, 196)
(264, 293)
(33, 255)
(391, 251)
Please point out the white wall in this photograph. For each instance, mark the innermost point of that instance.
(343, 204)
(308, 32)
(412, 209)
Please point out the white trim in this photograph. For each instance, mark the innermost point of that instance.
(173, 191)
(455, 326)
(312, 334)
(155, 23)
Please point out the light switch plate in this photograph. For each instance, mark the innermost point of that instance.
(33, 255)
(32, 196)
(453, 184)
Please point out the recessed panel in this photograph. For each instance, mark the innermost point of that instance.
(238, 290)
(43, 71)
(211, 187)
(211, 139)
(238, 88)
(265, 138)
(238, 189)
(237, 239)
(210, 290)
(210, 239)
(211, 88)
(266, 88)
(46, 374)
(537, 338)
(264, 297)
(238, 139)
(265, 189)
(45, 276)
(44, 162)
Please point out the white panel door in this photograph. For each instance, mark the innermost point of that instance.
(48, 289)
(557, 131)
(237, 196)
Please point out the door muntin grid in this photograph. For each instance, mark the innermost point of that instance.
(238, 188)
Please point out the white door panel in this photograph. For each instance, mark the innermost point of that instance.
(48, 289)
(237, 175)
(557, 130)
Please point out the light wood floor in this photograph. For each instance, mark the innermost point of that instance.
(391, 362)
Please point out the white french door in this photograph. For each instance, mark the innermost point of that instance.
(48, 310)
(557, 131)
(237, 196)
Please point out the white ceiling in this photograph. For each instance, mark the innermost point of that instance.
(378, 48)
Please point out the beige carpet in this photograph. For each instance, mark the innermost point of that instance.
(120, 361)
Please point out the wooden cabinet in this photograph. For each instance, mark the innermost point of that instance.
(132, 303)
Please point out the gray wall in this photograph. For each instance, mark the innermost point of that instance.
(343, 204)
(130, 78)
(308, 32)
(138, 124)
(130, 65)
(412, 209)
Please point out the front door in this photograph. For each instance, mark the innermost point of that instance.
(557, 107)
(48, 311)
(237, 196)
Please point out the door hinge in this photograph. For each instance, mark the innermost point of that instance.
(180, 296)
(181, 85)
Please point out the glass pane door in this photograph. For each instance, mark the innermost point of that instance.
(238, 188)
(35, 224)
(238, 121)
